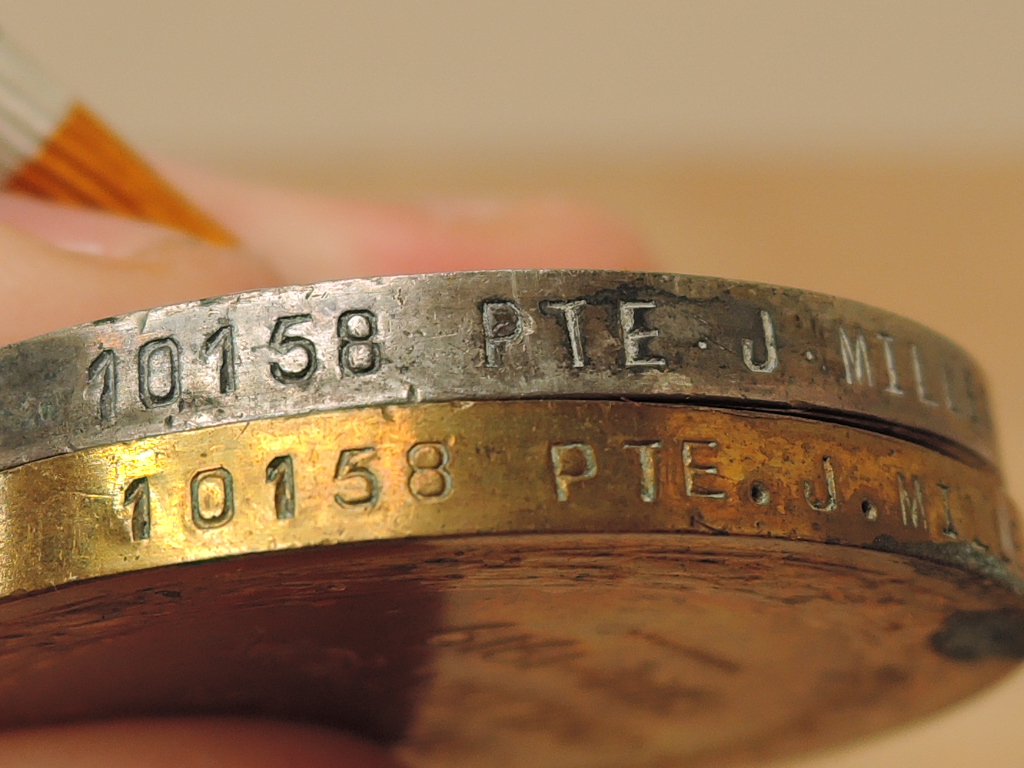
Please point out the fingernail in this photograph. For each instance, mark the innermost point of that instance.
(81, 230)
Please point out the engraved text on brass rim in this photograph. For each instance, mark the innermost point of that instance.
(494, 467)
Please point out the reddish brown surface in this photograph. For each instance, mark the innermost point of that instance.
(597, 651)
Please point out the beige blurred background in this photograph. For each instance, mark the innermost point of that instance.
(869, 149)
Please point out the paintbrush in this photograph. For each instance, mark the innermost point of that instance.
(53, 147)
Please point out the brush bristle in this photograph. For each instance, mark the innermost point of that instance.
(85, 163)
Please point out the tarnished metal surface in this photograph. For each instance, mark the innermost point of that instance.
(451, 513)
(540, 651)
(513, 467)
(506, 335)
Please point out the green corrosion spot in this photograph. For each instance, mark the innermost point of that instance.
(965, 555)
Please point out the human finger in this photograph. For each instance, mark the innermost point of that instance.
(311, 237)
(63, 266)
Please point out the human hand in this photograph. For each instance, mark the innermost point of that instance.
(63, 266)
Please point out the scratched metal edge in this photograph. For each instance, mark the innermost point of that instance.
(978, 454)
(621, 274)
(612, 274)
